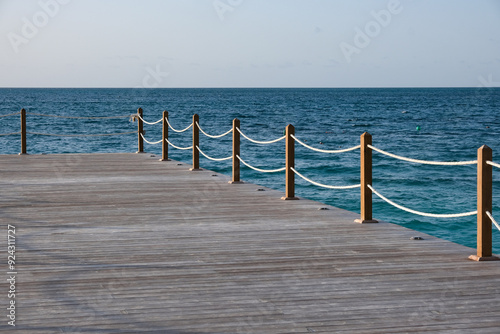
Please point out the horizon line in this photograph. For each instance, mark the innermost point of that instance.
(263, 87)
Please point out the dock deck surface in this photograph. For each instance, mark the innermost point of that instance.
(124, 243)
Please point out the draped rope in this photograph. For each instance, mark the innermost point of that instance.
(8, 134)
(261, 170)
(78, 117)
(493, 220)
(260, 142)
(13, 114)
(441, 163)
(323, 185)
(151, 143)
(178, 131)
(211, 136)
(457, 215)
(325, 151)
(150, 123)
(210, 158)
(493, 164)
(177, 147)
(90, 135)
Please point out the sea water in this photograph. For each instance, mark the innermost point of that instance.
(437, 124)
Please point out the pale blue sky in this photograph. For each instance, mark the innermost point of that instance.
(249, 43)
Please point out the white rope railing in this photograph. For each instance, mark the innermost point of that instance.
(9, 134)
(441, 163)
(150, 123)
(214, 159)
(178, 131)
(457, 215)
(493, 220)
(80, 117)
(13, 114)
(261, 170)
(493, 164)
(324, 185)
(325, 151)
(211, 136)
(177, 147)
(81, 135)
(260, 142)
(151, 143)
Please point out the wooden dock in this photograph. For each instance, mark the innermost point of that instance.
(124, 243)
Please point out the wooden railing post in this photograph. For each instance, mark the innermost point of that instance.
(23, 131)
(290, 163)
(236, 152)
(366, 179)
(484, 204)
(164, 144)
(196, 142)
(140, 131)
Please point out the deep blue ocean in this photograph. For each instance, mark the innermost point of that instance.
(440, 124)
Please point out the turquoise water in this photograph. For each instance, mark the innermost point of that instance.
(443, 124)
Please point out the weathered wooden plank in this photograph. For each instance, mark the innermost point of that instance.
(125, 243)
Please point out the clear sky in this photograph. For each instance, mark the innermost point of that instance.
(249, 43)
